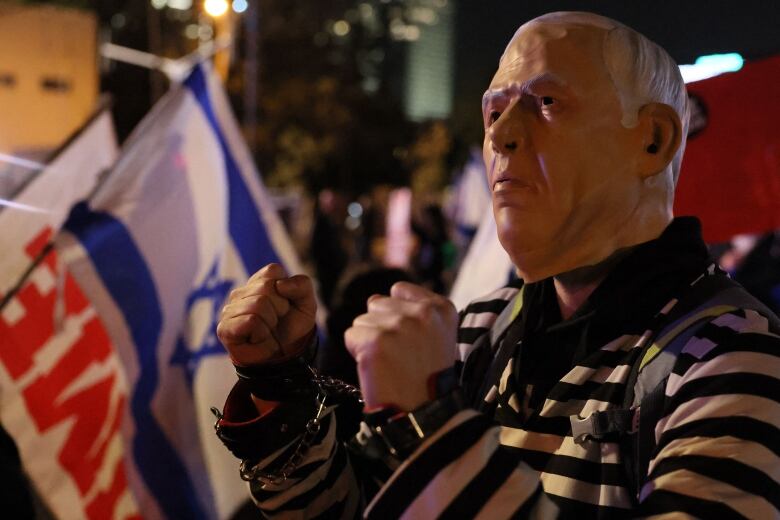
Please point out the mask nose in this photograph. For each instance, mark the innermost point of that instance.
(507, 134)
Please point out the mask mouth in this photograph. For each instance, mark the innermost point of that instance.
(502, 177)
(506, 181)
(498, 170)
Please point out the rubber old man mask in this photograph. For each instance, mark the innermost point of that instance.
(571, 182)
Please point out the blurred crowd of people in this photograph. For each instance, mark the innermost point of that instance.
(754, 262)
(340, 235)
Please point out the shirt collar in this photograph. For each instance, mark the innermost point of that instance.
(634, 291)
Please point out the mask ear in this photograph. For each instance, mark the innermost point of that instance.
(661, 134)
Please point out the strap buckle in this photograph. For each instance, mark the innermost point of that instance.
(583, 428)
(599, 425)
(403, 433)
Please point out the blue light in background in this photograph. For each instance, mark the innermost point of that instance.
(711, 65)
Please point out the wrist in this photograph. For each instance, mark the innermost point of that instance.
(305, 346)
(283, 379)
(262, 354)
(403, 432)
(438, 385)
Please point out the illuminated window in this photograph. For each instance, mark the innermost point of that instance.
(430, 66)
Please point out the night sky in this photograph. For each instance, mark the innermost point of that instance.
(685, 28)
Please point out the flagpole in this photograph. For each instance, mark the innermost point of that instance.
(154, 37)
(46, 249)
(251, 41)
(35, 263)
(176, 70)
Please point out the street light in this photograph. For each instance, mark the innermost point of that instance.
(215, 8)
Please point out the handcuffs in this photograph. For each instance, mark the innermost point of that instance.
(296, 422)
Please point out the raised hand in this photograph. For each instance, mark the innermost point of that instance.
(265, 318)
(401, 342)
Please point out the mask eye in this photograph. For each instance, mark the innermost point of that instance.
(547, 100)
(493, 117)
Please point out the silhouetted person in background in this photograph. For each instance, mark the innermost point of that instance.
(326, 248)
(349, 303)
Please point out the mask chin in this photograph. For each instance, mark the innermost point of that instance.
(588, 237)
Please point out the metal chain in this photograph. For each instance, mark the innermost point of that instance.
(312, 429)
(328, 386)
(334, 386)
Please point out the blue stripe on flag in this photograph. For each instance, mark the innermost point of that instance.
(247, 229)
(125, 274)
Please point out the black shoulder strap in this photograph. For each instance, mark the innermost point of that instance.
(698, 295)
(713, 296)
(621, 420)
(505, 334)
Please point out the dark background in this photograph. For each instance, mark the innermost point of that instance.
(687, 29)
(316, 126)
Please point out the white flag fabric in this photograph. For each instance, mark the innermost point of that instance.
(471, 195)
(486, 266)
(181, 220)
(47, 199)
(62, 389)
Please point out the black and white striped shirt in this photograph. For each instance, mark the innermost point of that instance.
(718, 441)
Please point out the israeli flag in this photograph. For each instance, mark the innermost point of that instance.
(485, 268)
(181, 220)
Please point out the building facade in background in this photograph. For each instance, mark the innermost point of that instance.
(429, 84)
(48, 84)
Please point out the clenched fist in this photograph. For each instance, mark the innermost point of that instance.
(401, 342)
(262, 319)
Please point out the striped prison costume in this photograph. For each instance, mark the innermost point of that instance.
(718, 438)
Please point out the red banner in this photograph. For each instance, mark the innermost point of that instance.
(64, 394)
(730, 176)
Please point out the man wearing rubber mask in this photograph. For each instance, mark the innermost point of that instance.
(624, 374)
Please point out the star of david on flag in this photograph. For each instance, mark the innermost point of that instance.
(204, 303)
